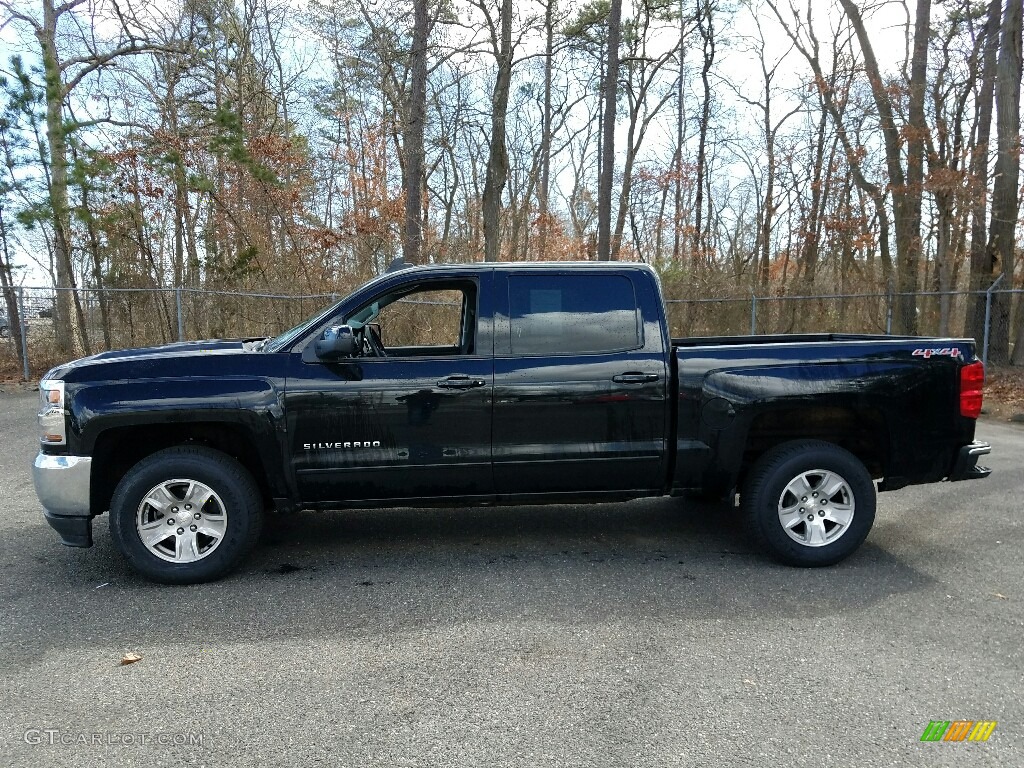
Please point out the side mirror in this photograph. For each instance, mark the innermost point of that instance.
(337, 342)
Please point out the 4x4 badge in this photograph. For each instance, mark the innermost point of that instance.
(925, 352)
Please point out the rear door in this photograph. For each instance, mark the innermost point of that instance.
(580, 383)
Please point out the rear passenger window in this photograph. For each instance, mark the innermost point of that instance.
(572, 314)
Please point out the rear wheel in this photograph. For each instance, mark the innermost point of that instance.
(185, 515)
(811, 503)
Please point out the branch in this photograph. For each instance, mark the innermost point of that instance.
(95, 62)
(75, 125)
(68, 6)
(14, 15)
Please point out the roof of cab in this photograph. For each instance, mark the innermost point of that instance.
(476, 266)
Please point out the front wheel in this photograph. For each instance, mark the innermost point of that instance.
(185, 515)
(811, 503)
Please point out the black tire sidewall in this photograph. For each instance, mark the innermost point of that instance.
(224, 475)
(774, 472)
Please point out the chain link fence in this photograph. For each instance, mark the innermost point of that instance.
(118, 318)
(121, 318)
(835, 313)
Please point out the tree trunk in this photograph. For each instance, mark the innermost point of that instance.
(677, 160)
(705, 25)
(610, 89)
(63, 320)
(1005, 191)
(497, 159)
(545, 138)
(808, 264)
(677, 167)
(916, 132)
(97, 267)
(10, 298)
(981, 264)
(412, 140)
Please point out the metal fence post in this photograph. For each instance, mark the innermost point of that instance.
(181, 315)
(753, 313)
(988, 318)
(24, 331)
(888, 311)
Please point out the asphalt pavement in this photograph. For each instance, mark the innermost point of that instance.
(649, 633)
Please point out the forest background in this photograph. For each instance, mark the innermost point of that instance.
(768, 148)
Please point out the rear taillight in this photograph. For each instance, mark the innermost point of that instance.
(972, 379)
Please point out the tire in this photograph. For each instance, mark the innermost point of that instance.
(221, 515)
(810, 503)
(5, 331)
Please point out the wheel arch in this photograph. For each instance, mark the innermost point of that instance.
(862, 431)
(117, 449)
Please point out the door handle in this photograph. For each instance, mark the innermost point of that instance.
(459, 381)
(633, 377)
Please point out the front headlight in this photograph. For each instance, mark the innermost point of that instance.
(51, 413)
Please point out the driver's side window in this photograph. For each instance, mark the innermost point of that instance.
(428, 320)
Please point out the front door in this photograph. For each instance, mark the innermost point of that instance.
(414, 423)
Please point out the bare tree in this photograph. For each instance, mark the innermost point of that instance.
(63, 75)
(950, 89)
(497, 159)
(833, 102)
(412, 142)
(1005, 191)
(640, 74)
(14, 319)
(904, 182)
(609, 90)
(211, 156)
(770, 127)
(544, 190)
(981, 265)
(706, 28)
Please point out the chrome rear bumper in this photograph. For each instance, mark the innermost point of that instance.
(966, 466)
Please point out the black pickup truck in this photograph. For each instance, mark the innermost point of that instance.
(497, 384)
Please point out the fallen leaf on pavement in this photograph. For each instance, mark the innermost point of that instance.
(130, 658)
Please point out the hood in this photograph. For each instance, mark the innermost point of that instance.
(185, 356)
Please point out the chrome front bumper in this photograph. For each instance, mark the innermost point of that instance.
(62, 485)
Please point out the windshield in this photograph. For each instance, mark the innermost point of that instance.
(289, 337)
(366, 314)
